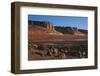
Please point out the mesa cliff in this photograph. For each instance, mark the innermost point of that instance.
(44, 27)
(47, 31)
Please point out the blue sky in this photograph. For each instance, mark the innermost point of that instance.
(80, 22)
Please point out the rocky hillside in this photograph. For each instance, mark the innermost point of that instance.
(48, 27)
(44, 30)
(71, 30)
(44, 27)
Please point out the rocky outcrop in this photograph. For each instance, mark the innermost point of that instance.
(45, 24)
(71, 30)
(49, 28)
(74, 30)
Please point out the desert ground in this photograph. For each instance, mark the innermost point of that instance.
(45, 41)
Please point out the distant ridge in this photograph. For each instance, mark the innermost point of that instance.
(70, 30)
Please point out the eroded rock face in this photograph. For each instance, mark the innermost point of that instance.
(72, 30)
(49, 27)
(45, 24)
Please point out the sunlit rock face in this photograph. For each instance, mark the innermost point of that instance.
(74, 30)
(45, 24)
(48, 26)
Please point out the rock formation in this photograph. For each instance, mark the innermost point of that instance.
(49, 28)
(71, 30)
(45, 24)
